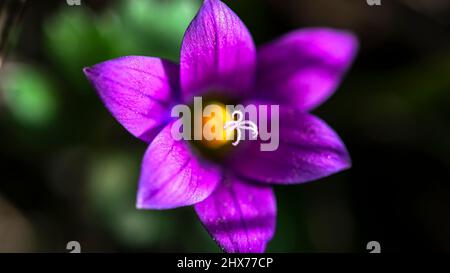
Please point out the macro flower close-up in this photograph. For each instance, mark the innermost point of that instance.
(193, 134)
(233, 193)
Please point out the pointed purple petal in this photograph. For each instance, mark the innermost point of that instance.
(138, 91)
(240, 216)
(304, 68)
(308, 150)
(217, 54)
(173, 176)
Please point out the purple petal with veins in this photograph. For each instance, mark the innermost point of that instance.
(217, 54)
(308, 150)
(303, 68)
(138, 91)
(240, 216)
(173, 176)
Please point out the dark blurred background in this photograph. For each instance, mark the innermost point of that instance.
(68, 170)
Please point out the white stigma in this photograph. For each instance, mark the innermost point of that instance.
(240, 124)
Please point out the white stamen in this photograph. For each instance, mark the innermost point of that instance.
(240, 124)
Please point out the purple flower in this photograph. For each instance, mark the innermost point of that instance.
(233, 198)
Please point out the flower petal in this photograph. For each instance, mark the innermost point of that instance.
(304, 68)
(240, 216)
(138, 91)
(217, 54)
(173, 176)
(308, 150)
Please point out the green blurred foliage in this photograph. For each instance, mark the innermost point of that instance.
(31, 96)
(156, 27)
(112, 189)
(76, 38)
(75, 41)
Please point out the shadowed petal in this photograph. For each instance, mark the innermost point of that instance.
(138, 91)
(304, 68)
(239, 216)
(308, 150)
(217, 54)
(173, 176)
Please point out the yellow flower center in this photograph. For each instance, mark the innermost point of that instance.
(214, 135)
